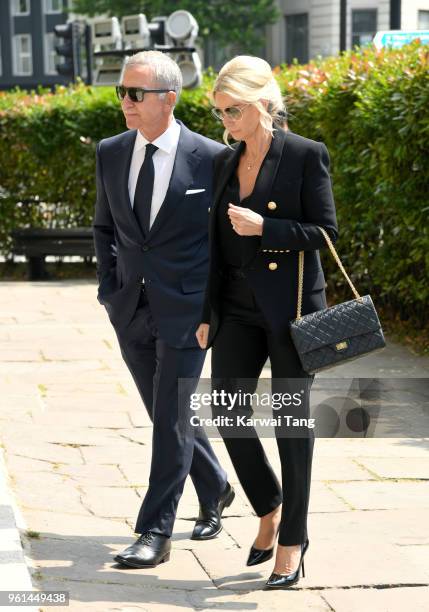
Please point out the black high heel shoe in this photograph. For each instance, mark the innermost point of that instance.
(257, 555)
(280, 581)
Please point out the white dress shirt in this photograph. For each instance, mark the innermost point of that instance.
(163, 161)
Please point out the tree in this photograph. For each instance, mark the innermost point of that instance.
(238, 22)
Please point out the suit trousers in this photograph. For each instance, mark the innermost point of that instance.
(240, 349)
(178, 448)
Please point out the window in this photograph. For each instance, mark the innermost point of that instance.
(51, 57)
(20, 7)
(22, 56)
(364, 26)
(1, 63)
(53, 6)
(423, 20)
(297, 38)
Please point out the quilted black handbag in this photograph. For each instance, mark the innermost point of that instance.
(337, 334)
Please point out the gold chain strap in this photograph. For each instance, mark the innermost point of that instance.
(301, 272)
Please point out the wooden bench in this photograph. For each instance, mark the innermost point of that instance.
(37, 243)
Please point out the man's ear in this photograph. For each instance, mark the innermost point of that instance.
(170, 98)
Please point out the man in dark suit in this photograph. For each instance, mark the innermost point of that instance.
(154, 189)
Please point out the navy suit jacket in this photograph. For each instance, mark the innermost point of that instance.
(293, 193)
(173, 257)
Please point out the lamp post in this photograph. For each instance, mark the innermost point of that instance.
(343, 25)
(395, 14)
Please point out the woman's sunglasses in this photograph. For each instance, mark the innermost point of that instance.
(235, 113)
(136, 94)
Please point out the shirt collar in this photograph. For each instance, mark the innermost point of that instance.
(166, 141)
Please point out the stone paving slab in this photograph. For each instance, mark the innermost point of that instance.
(293, 600)
(397, 527)
(91, 559)
(54, 499)
(115, 453)
(404, 467)
(331, 469)
(123, 597)
(384, 567)
(324, 499)
(59, 435)
(111, 502)
(89, 419)
(377, 495)
(380, 600)
(368, 447)
(65, 525)
(54, 453)
(95, 475)
(116, 404)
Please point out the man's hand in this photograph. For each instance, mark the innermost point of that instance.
(245, 222)
(202, 334)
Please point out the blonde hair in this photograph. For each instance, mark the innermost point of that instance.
(250, 79)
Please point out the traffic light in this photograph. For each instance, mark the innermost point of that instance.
(69, 50)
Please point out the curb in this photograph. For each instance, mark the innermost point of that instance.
(15, 574)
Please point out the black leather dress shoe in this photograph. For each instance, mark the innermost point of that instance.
(149, 550)
(284, 581)
(208, 524)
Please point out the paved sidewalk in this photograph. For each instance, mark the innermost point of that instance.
(77, 448)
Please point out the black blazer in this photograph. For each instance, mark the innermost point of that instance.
(294, 195)
(173, 257)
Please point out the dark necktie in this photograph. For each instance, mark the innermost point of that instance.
(144, 189)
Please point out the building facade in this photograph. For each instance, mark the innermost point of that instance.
(27, 39)
(309, 28)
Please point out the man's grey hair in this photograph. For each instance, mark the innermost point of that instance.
(166, 73)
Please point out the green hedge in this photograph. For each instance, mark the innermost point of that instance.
(370, 108)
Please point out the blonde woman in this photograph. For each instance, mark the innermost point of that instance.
(272, 189)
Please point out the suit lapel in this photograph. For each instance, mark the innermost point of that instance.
(185, 165)
(268, 171)
(224, 170)
(121, 170)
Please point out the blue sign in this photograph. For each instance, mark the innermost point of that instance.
(397, 38)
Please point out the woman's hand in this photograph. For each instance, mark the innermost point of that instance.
(202, 334)
(245, 222)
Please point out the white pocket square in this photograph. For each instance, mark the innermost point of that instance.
(191, 191)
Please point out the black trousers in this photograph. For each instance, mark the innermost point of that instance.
(178, 448)
(240, 350)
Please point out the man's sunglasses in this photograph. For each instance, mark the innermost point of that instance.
(136, 94)
(235, 113)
